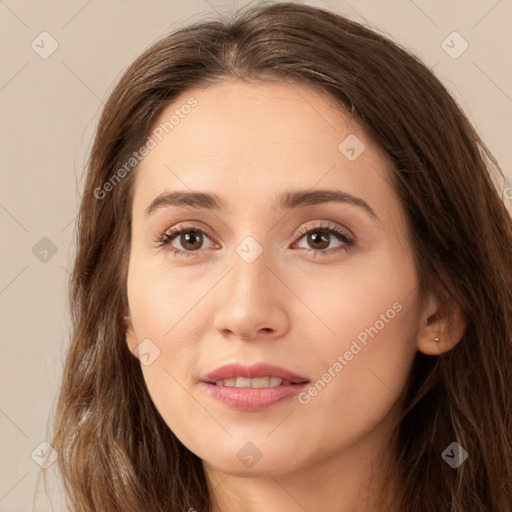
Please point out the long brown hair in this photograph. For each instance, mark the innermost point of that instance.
(115, 451)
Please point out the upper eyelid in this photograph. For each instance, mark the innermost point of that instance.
(327, 225)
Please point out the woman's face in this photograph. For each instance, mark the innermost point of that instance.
(247, 287)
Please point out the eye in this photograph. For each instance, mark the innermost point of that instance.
(320, 237)
(190, 238)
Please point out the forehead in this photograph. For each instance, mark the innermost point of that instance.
(247, 140)
(251, 114)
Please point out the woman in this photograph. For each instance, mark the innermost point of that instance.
(292, 288)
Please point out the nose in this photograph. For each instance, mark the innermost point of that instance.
(252, 301)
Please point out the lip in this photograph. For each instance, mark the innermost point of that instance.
(252, 399)
(254, 371)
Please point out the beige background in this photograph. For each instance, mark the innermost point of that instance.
(49, 109)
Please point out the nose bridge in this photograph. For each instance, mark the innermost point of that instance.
(251, 271)
(250, 298)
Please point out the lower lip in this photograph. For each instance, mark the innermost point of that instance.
(253, 399)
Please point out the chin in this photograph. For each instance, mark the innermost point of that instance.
(274, 466)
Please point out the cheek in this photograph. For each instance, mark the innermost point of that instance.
(172, 397)
(364, 366)
(166, 304)
(168, 317)
(368, 291)
(362, 381)
(165, 309)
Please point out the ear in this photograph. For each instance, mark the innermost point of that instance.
(131, 339)
(442, 320)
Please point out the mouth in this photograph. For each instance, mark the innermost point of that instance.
(252, 388)
(260, 382)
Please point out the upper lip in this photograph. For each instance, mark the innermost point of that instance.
(230, 371)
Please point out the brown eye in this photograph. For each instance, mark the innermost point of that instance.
(184, 241)
(190, 239)
(318, 239)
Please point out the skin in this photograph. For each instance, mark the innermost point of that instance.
(248, 143)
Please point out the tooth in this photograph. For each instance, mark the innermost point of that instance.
(259, 382)
(242, 382)
(275, 381)
(262, 382)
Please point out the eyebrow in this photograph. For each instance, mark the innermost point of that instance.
(289, 200)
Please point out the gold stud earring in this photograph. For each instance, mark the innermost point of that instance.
(437, 339)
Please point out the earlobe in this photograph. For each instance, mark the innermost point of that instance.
(131, 339)
(442, 326)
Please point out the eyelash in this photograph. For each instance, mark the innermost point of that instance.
(169, 235)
